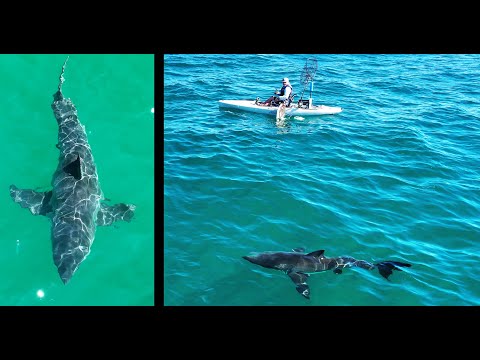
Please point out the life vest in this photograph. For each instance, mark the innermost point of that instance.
(282, 90)
(290, 97)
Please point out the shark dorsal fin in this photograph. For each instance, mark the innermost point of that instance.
(317, 253)
(74, 169)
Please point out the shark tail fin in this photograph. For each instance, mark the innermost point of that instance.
(385, 267)
(58, 95)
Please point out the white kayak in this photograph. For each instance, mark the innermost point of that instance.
(249, 105)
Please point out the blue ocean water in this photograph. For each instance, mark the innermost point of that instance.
(395, 176)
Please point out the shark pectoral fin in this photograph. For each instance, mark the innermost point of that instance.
(37, 202)
(299, 249)
(108, 214)
(300, 281)
(74, 169)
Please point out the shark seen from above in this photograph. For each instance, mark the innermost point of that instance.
(74, 204)
(298, 265)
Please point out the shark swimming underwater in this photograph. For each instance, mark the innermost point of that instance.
(74, 202)
(298, 265)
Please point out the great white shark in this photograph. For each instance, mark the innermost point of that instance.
(75, 202)
(298, 265)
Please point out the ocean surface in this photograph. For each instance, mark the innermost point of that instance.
(394, 176)
(114, 98)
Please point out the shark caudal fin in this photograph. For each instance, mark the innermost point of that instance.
(385, 267)
(58, 96)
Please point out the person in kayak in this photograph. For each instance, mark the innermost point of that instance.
(284, 95)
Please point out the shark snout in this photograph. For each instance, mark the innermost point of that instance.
(253, 258)
(65, 273)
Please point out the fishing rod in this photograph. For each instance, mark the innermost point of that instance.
(307, 75)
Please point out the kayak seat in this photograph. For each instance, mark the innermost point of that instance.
(290, 99)
(287, 102)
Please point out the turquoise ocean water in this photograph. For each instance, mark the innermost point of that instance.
(114, 98)
(395, 176)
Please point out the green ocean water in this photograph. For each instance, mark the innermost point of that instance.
(114, 97)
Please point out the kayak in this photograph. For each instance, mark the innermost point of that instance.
(292, 110)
